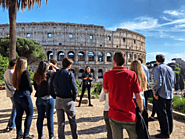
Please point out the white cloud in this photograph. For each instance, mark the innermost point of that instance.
(140, 23)
(168, 56)
(176, 13)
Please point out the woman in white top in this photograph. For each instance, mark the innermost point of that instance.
(104, 97)
(137, 68)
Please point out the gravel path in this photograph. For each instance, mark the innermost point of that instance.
(90, 122)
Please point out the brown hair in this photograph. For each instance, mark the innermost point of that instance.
(53, 61)
(19, 69)
(66, 62)
(137, 68)
(119, 58)
(160, 58)
(41, 73)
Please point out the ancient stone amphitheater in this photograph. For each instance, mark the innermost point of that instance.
(88, 45)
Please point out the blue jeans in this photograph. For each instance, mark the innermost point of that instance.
(11, 122)
(48, 107)
(23, 103)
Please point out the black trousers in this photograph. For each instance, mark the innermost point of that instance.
(154, 107)
(83, 91)
(165, 117)
(146, 99)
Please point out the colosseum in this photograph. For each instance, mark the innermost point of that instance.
(88, 45)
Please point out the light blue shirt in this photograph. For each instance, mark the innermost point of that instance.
(164, 78)
(146, 73)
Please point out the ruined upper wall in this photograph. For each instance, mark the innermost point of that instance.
(72, 34)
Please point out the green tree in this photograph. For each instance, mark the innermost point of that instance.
(12, 6)
(28, 48)
(4, 62)
(176, 68)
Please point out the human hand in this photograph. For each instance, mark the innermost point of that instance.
(156, 97)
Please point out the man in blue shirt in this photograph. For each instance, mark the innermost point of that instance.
(164, 78)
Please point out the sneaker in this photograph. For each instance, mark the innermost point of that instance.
(151, 119)
(29, 136)
(8, 129)
(52, 138)
(20, 136)
(90, 105)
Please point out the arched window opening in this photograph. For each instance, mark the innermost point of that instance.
(71, 55)
(49, 55)
(81, 71)
(129, 57)
(60, 56)
(100, 73)
(91, 56)
(100, 57)
(92, 72)
(109, 57)
(81, 56)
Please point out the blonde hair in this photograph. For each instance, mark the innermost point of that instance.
(19, 69)
(137, 68)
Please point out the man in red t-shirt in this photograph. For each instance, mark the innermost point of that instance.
(121, 83)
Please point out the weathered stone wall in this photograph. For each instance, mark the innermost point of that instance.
(86, 44)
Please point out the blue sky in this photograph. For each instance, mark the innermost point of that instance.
(161, 21)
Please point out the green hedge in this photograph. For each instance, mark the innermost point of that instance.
(177, 102)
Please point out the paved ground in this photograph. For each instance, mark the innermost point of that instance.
(90, 122)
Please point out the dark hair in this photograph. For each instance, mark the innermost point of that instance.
(66, 62)
(119, 58)
(160, 58)
(87, 67)
(53, 61)
(41, 72)
(12, 63)
(155, 65)
(141, 60)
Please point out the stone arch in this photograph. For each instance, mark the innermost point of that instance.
(91, 56)
(100, 56)
(109, 57)
(81, 56)
(92, 72)
(49, 55)
(81, 71)
(100, 73)
(71, 55)
(135, 57)
(60, 55)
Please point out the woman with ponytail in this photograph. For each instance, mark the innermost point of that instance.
(23, 102)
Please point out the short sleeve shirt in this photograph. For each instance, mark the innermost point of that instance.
(121, 86)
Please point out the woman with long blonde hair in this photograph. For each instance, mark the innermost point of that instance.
(137, 68)
(23, 102)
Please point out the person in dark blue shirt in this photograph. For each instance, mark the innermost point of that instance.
(63, 86)
(87, 79)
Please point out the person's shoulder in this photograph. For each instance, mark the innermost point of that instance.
(25, 72)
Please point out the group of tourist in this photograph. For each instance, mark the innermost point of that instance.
(123, 90)
(119, 84)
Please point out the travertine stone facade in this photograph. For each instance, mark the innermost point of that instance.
(86, 44)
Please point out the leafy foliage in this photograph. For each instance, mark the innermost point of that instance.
(4, 62)
(28, 48)
(179, 104)
(176, 68)
(31, 73)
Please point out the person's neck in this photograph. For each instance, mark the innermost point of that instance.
(118, 66)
